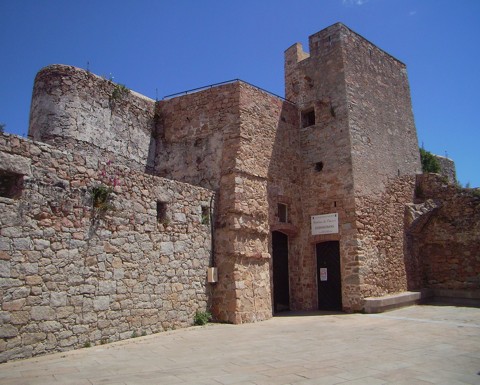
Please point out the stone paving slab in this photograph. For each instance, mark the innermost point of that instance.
(414, 345)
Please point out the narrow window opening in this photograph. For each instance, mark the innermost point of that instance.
(319, 166)
(11, 184)
(205, 219)
(162, 216)
(282, 213)
(308, 118)
(334, 203)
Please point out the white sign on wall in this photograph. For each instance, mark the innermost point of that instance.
(325, 224)
(323, 274)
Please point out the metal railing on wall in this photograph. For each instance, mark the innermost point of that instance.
(193, 90)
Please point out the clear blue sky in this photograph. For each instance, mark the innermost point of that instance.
(175, 45)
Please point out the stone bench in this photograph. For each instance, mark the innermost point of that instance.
(391, 301)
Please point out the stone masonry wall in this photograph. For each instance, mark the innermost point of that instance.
(243, 293)
(383, 138)
(76, 110)
(70, 277)
(266, 158)
(445, 246)
(227, 138)
(196, 134)
(198, 139)
(382, 129)
(380, 223)
(447, 168)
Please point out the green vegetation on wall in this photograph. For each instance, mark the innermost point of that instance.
(429, 162)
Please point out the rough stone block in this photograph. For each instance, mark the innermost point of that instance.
(5, 244)
(30, 268)
(21, 292)
(43, 313)
(50, 326)
(4, 268)
(41, 244)
(180, 217)
(166, 247)
(58, 299)
(14, 305)
(32, 338)
(22, 243)
(15, 163)
(107, 287)
(101, 303)
(20, 318)
(118, 274)
(8, 331)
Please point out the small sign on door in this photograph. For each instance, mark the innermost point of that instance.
(323, 274)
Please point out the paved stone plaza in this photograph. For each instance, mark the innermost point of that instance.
(415, 345)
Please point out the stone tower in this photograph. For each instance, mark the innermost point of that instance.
(359, 156)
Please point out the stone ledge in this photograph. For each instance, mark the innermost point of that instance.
(392, 301)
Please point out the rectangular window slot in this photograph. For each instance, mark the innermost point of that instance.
(308, 118)
(205, 219)
(162, 216)
(11, 184)
(282, 213)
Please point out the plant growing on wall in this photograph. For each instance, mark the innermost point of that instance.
(101, 198)
(102, 194)
(202, 317)
(429, 162)
(120, 91)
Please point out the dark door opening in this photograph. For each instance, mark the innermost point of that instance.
(328, 276)
(281, 288)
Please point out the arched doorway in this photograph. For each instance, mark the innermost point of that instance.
(281, 286)
(329, 276)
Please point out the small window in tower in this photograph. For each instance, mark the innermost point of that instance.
(308, 118)
(319, 166)
(162, 216)
(205, 219)
(11, 184)
(282, 213)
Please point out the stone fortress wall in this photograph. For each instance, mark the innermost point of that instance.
(68, 278)
(447, 168)
(342, 142)
(444, 238)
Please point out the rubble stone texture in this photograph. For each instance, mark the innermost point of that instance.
(444, 237)
(78, 270)
(447, 168)
(69, 279)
